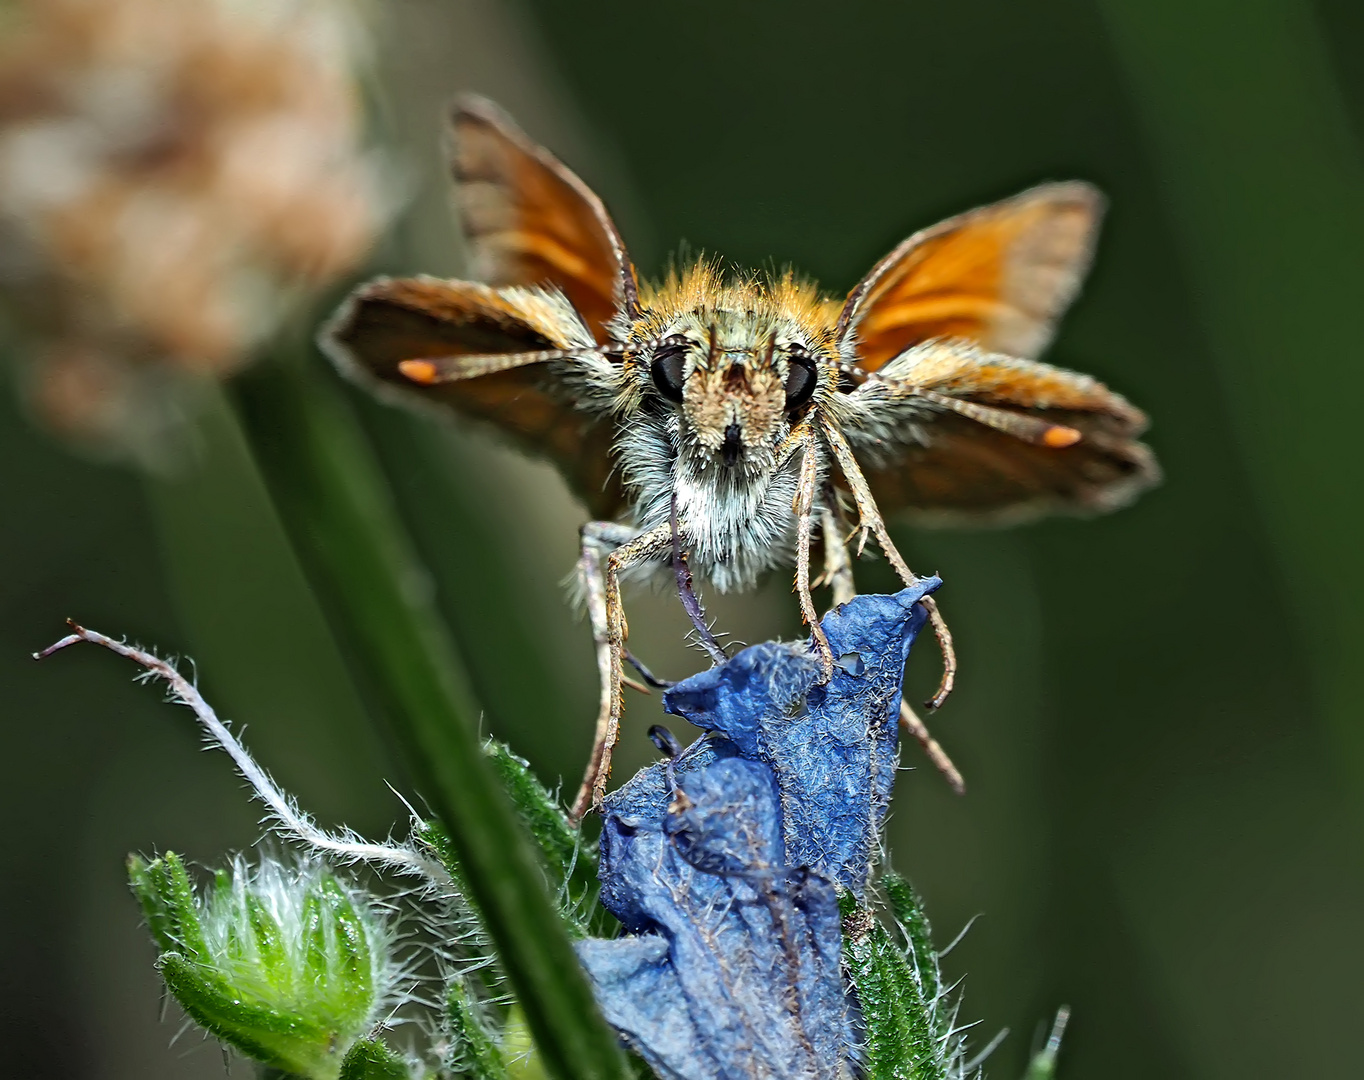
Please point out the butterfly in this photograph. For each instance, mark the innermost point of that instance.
(729, 425)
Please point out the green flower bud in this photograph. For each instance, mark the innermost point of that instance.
(283, 963)
(473, 1051)
(370, 1059)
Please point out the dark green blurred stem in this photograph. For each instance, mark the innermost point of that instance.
(480, 588)
(332, 498)
(1265, 181)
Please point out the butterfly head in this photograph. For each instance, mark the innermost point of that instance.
(739, 364)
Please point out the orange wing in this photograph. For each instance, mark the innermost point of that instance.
(973, 429)
(966, 473)
(997, 276)
(954, 435)
(391, 324)
(530, 221)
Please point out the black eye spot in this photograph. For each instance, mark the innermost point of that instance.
(801, 380)
(668, 367)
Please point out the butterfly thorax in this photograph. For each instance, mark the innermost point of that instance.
(717, 376)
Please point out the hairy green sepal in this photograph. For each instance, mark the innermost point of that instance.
(279, 964)
(908, 1029)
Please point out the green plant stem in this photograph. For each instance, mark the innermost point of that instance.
(331, 496)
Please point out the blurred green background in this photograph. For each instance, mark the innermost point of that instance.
(1158, 712)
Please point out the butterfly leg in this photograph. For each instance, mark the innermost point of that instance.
(598, 537)
(838, 572)
(599, 570)
(912, 725)
(804, 507)
(872, 522)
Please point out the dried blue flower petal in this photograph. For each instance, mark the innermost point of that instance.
(833, 747)
(725, 863)
(737, 957)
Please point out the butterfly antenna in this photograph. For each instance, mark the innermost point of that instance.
(433, 370)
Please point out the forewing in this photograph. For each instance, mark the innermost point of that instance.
(998, 277)
(530, 221)
(390, 323)
(921, 455)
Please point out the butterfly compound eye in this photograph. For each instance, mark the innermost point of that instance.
(668, 368)
(801, 380)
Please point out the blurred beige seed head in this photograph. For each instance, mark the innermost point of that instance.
(174, 174)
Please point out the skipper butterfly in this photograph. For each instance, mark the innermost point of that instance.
(728, 426)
